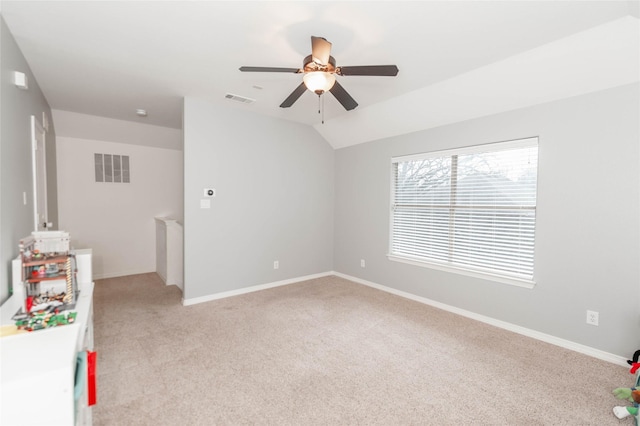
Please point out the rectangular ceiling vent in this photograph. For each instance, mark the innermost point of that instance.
(239, 98)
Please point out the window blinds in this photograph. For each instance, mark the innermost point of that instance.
(473, 208)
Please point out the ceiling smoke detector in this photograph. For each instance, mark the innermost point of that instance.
(141, 112)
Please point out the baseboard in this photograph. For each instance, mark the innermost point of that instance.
(567, 344)
(231, 293)
(119, 274)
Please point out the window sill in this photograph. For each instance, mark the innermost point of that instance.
(476, 274)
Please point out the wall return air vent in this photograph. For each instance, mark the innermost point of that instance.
(239, 98)
(112, 168)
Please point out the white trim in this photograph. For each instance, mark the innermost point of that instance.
(520, 280)
(567, 344)
(37, 129)
(34, 174)
(462, 271)
(120, 274)
(473, 149)
(45, 122)
(231, 293)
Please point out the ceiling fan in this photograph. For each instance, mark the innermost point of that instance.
(319, 71)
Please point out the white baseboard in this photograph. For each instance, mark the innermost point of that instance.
(567, 344)
(563, 343)
(119, 274)
(216, 296)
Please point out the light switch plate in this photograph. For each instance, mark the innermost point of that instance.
(205, 204)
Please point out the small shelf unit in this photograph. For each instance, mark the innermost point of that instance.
(50, 268)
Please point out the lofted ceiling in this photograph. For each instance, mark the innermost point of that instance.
(457, 59)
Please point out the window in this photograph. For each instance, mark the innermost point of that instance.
(471, 210)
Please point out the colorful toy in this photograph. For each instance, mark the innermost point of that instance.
(635, 365)
(631, 394)
(624, 393)
(46, 319)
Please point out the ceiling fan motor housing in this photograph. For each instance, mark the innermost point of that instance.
(309, 65)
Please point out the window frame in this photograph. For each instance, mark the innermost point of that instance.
(448, 267)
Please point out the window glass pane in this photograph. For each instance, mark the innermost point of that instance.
(502, 178)
(421, 232)
(472, 209)
(500, 240)
(424, 181)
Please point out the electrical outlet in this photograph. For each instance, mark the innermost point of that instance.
(592, 317)
(276, 264)
(362, 263)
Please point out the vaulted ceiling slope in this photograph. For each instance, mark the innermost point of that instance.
(457, 59)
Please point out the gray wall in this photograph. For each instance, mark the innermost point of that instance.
(274, 183)
(17, 106)
(587, 236)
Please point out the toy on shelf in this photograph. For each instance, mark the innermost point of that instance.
(48, 278)
(46, 319)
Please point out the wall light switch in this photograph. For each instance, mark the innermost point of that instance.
(205, 204)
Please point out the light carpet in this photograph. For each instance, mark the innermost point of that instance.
(329, 352)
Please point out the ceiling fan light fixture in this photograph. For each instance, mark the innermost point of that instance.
(319, 81)
(319, 71)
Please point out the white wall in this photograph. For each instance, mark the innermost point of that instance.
(588, 219)
(83, 126)
(274, 182)
(116, 220)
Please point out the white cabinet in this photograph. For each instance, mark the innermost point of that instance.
(38, 384)
(169, 251)
(41, 382)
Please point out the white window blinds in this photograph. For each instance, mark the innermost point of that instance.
(472, 208)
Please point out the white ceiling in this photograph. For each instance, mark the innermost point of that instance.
(457, 59)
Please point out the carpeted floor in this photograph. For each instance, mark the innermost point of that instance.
(329, 352)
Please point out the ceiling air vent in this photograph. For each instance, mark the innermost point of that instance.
(239, 98)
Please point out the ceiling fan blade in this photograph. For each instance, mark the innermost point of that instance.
(382, 70)
(294, 96)
(320, 50)
(270, 69)
(343, 97)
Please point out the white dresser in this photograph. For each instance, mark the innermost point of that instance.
(41, 380)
